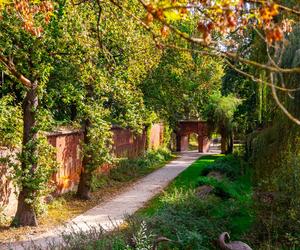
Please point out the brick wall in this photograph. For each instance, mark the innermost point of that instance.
(156, 136)
(8, 200)
(68, 155)
(128, 144)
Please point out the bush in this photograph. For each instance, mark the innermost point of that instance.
(130, 169)
(11, 123)
(275, 159)
(184, 219)
(232, 165)
(192, 223)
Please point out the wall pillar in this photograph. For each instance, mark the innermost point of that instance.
(203, 139)
(178, 143)
(205, 144)
(184, 143)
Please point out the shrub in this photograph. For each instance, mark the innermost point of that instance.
(11, 123)
(130, 169)
(232, 165)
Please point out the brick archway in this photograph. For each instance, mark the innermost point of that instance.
(187, 127)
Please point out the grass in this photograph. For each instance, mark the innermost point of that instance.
(186, 180)
(188, 221)
(67, 206)
(195, 223)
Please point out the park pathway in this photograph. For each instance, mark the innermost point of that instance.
(111, 212)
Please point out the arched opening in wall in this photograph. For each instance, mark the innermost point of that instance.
(216, 142)
(185, 131)
(193, 142)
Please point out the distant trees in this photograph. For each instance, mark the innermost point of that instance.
(179, 87)
(219, 113)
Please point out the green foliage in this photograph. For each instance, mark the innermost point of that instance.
(226, 189)
(220, 110)
(130, 169)
(11, 125)
(276, 175)
(143, 240)
(37, 182)
(194, 223)
(180, 85)
(113, 55)
(99, 136)
(97, 238)
(167, 135)
(94, 238)
(148, 134)
(274, 156)
(231, 165)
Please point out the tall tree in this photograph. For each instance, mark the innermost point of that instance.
(27, 59)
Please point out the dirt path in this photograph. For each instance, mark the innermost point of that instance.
(112, 212)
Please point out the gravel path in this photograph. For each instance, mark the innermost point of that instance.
(111, 212)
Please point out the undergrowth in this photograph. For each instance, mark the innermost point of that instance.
(63, 208)
(195, 223)
(130, 169)
(180, 217)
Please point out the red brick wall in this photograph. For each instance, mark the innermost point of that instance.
(68, 155)
(156, 136)
(128, 144)
(8, 201)
(188, 127)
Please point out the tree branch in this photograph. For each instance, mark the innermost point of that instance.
(252, 77)
(12, 69)
(294, 11)
(280, 105)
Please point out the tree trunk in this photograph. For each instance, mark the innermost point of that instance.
(84, 186)
(25, 215)
(230, 144)
(73, 112)
(223, 141)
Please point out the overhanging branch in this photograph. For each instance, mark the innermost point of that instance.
(12, 69)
